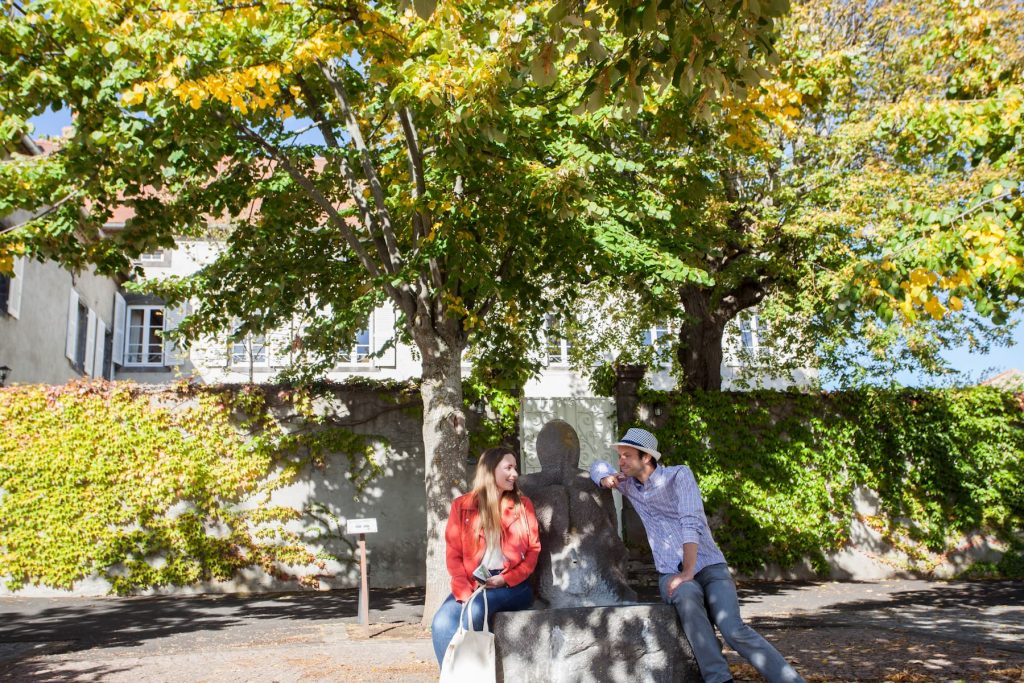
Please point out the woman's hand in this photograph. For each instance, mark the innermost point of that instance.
(496, 581)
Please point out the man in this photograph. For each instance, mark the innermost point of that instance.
(694, 576)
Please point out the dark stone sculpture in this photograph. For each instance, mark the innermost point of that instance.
(583, 560)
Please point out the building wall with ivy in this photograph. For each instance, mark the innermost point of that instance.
(927, 482)
(109, 487)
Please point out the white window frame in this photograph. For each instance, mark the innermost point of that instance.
(750, 334)
(359, 351)
(146, 330)
(552, 339)
(157, 256)
(240, 352)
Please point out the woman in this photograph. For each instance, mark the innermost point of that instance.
(492, 533)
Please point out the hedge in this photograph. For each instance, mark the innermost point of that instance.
(778, 470)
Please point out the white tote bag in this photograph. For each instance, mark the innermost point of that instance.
(470, 656)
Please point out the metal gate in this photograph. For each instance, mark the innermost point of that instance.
(592, 418)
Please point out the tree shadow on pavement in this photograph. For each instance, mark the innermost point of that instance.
(948, 631)
(41, 672)
(852, 653)
(125, 622)
(900, 631)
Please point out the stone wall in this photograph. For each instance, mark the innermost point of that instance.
(327, 497)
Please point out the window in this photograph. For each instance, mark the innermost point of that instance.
(557, 345)
(85, 342)
(360, 351)
(157, 258)
(750, 329)
(10, 289)
(656, 336)
(82, 340)
(105, 367)
(145, 344)
(250, 350)
(152, 256)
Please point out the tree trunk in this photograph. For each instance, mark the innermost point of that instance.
(445, 447)
(700, 341)
(700, 338)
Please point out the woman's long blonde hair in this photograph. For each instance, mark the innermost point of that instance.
(488, 496)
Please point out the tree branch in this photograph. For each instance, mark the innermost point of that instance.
(506, 260)
(352, 184)
(747, 294)
(317, 196)
(50, 208)
(384, 236)
(422, 219)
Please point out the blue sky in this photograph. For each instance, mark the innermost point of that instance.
(975, 366)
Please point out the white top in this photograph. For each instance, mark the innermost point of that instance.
(493, 558)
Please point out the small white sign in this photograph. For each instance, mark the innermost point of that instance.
(361, 526)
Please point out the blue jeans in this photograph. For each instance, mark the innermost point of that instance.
(711, 597)
(446, 619)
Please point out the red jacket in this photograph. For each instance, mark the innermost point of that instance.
(466, 546)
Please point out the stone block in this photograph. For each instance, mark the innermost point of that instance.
(618, 644)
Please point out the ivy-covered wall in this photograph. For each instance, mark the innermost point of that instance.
(779, 471)
(247, 487)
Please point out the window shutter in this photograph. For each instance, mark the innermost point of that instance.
(539, 354)
(101, 333)
(14, 293)
(71, 341)
(90, 343)
(119, 332)
(383, 330)
(172, 318)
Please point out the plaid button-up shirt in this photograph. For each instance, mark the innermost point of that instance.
(671, 508)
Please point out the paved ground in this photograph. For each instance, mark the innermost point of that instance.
(902, 631)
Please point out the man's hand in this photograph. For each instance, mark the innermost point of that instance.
(612, 480)
(678, 580)
(496, 581)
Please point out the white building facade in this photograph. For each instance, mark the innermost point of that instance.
(97, 329)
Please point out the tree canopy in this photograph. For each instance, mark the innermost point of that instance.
(350, 153)
(866, 198)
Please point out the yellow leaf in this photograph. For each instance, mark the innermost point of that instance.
(934, 308)
(133, 96)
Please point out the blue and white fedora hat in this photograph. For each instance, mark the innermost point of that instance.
(640, 439)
